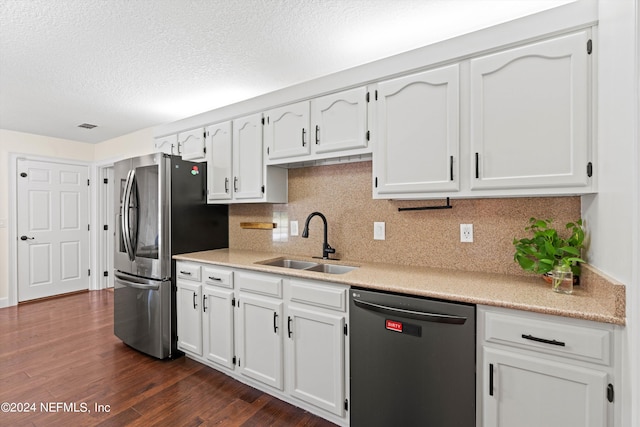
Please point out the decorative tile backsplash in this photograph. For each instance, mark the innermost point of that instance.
(428, 238)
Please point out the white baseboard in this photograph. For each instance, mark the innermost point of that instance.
(4, 302)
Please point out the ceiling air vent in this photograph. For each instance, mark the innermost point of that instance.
(87, 126)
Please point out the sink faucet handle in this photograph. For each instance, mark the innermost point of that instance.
(327, 250)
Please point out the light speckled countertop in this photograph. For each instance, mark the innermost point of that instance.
(516, 292)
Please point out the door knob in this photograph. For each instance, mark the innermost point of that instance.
(26, 238)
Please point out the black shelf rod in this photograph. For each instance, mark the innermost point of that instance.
(427, 208)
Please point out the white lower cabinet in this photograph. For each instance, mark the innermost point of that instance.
(316, 358)
(540, 370)
(205, 315)
(527, 391)
(188, 308)
(189, 317)
(260, 339)
(316, 343)
(284, 336)
(218, 325)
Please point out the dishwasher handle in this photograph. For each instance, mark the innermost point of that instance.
(417, 315)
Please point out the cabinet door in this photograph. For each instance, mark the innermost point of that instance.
(260, 336)
(248, 169)
(191, 144)
(316, 372)
(527, 391)
(339, 121)
(189, 317)
(166, 144)
(217, 307)
(286, 131)
(530, 116)
(417, 146)
(219, 161)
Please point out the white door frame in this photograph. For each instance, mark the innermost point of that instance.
(13, 217)
(97, 202)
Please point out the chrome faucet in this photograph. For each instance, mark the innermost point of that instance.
(326, 249)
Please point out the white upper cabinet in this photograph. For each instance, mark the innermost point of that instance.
(235, 171)
(417, 141)
(286, 131)
(247, 158)
(192, 145)
(508, 120)
(530, 116)
(339, 121)
(330, 126)
(219, 162)
(166, 144)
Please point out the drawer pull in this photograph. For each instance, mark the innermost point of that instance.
(186, 273)
(217, 279)
(275, 322)
(490, 379)
(542, 340)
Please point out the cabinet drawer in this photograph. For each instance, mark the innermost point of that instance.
(218, 277)
(188, 271)
(320, 295)
(259, 284)
(568, 340)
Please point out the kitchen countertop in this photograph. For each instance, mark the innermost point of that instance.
(515, 292)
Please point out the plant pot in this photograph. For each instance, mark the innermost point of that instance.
(562, 279)
(547, 278)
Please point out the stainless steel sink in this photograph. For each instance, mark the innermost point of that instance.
(290, 263)
(331, 268)
(309, 266)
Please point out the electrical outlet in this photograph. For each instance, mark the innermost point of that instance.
(378, 231)
(466, 233)
(293, 226)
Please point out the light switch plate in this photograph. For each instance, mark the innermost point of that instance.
(293, 227)
(378, 231)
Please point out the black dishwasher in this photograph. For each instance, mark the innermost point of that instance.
(412, 361)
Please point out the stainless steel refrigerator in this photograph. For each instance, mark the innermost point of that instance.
(160, 211)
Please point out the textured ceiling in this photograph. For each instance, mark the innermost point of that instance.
(126, 65)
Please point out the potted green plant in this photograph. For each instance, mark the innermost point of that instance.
(546, 251)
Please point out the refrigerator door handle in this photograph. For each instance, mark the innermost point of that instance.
(417, 315)
(126, 221)
(137, 282)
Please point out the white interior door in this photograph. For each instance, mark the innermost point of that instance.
(53, 228)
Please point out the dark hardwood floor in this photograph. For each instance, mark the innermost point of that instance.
(63, 351)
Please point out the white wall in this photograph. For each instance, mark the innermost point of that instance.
(131, 145)
(609, 213)
(17, 142)
(134, 144)
(612, 215)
